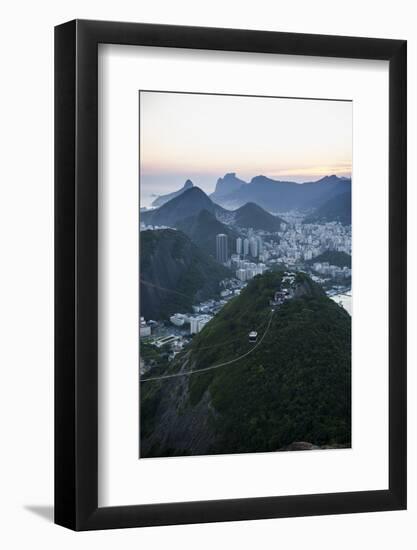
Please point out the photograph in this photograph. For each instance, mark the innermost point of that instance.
(245, 275)
(208, 232)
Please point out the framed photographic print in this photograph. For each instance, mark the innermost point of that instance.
(230, 275)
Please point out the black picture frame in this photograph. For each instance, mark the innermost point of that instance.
(76, 271)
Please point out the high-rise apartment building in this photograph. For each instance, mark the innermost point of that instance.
(246, 247)
(222, 254)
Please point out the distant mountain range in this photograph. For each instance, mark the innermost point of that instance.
(201, 219)
(175, 274)
(275, 195)
(162, 199)
(336, 209)
(183, 211)
(188, 203)
(229, 183)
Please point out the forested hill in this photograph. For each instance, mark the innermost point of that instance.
(202, 230)
(162, 199)
(252, 215)
(175, 274)
(293, 385)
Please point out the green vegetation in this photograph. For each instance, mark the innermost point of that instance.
(295, 389)
(154, 357)
(149, 402)
(294, 386)
(175, 274)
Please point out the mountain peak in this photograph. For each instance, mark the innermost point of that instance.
(250, 206)
(195, 191)
(163, 199)
(253, 215)
(188, 203)
(228, 184)
(262, 179)
(329, 179)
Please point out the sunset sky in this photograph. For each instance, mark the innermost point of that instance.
(202, 137)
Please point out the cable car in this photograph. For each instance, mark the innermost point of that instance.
(253, 336)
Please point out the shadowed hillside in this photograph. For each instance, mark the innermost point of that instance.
(175, 274)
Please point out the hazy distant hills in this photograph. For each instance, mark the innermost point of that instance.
(336, 209)
(162, 199)
(275, 195)
(252, 215)
(175, 273)
(229, 183)
(194, 213)
(203, 228)
(188, 203)
(293, 386)
(183, 211)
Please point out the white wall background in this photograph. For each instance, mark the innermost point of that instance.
(26, 286)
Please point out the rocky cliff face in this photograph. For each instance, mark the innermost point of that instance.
(178, 428)
(229, 183)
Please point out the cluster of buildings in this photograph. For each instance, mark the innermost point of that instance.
(145, 328)
(247, 270)
(295, 243)
(246, 247)
(302, 242)
(185, 324)
(252, 245)
(286, 292)
(333, 271)
(196, 321)
(150, 227)
(242, 261)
